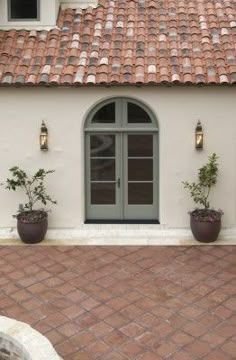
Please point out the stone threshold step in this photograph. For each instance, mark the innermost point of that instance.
(117, 234)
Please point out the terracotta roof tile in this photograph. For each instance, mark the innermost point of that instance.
(127, 42)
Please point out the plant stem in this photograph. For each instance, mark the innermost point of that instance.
(28, 193)
(208, 192)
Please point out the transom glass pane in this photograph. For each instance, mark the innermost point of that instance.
(136, 115)
(105, 115)
(23, 9)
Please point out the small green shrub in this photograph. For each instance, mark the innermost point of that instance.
(200, 191)
(33, 187)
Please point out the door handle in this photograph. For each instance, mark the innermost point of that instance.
(118, 182)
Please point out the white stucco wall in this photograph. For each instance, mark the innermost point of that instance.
(74, 4)
(64, 111)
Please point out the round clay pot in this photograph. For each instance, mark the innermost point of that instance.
(32, 232)
(205, 231)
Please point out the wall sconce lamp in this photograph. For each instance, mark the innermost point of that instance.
(199, 136)
(43, 138)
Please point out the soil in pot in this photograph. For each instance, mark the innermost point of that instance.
(32, 226)
(205, 225)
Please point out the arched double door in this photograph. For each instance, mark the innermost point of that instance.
(121, 162)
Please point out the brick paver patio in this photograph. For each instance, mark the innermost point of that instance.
(114, 303)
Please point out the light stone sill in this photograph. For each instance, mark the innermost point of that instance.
(118, 234)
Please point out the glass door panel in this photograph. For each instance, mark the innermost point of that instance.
(103, 172)
(140, 176)
(103, 169)
(140, 169)
(140, 145)
(103, 194)
(140, 193)
(102, 145)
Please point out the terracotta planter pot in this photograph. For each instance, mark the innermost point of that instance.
(32, 232)
(205, 231)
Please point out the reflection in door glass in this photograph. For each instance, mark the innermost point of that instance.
(140, 193)
(103, 193)
(103, 169)
(105, 115)
(102, 145)
(136, 115)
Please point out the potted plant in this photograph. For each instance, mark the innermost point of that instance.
(32, 223)
(205, 222)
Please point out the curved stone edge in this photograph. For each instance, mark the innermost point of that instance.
(14, 347)
(35, 344)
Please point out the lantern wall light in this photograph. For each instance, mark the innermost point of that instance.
(199, 136)
(43, 137)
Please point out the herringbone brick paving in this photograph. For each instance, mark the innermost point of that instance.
(117, 303)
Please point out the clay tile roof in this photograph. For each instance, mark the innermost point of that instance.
(127, 42)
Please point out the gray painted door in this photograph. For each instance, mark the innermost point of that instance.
(122, 174)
